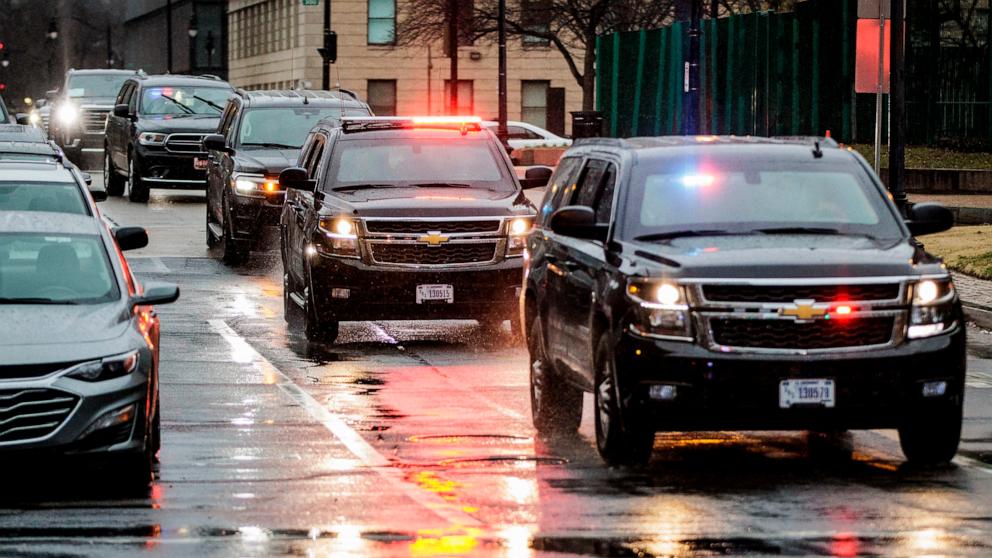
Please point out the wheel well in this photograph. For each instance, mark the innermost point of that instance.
(530, 306)
(600, 325)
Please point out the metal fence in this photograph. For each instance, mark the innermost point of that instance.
(791, 73)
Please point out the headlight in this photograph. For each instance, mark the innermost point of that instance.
(255, 185)
(34, 118)
(105, 369)
(517, 230)
(661, 310)
(340, 237)
(932, 312)
(67, 114)
(151, 138)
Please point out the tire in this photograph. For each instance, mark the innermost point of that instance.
(112, 182)
(316, 327)
(155, 435)
(556, 406)
(233, 251)
(619, 438)
(137, 190)
(932, 437)
(212, 240)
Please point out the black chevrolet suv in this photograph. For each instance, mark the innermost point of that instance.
(79, 110)
(393, 218)
(724, 283)
(260, 134)
(155, 133)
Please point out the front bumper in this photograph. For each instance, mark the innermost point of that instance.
(162, 169)
(250, 214)
(385, 292)
(716, 391)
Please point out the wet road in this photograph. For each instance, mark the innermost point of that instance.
(414, 439)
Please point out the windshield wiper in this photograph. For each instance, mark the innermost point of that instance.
(35, 300)
(685, 233)
(349, 187)
(209, 103)
(827, 231)
(441, 185)
(271, 145)
(178, 104)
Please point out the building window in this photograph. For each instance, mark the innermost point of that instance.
(466, 97)
(534, 102)
(382, 22)
(536, 16)
(382, 96)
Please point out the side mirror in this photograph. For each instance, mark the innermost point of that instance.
(23, 118)
(87, 178)
(50, 95)
(122, 111)
(928, 218)
(131, 238)
(98, 195)
(297, 179)
(577, 221)
(536, 177)
(156, 293)
(216, 142)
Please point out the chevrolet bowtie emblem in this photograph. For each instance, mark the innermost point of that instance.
(803, 310)
(433, 238)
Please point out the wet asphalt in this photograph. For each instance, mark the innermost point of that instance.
(414, 439)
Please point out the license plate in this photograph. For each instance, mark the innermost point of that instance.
(806, 392)
(435, 293)
(199, 164)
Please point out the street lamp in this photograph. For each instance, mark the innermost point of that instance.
(192, 30)
(53, 30)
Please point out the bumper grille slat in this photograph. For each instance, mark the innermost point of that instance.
(33, 413)
(185, 143)
(787, 334)
(422, 227)
(417, 254)
(819, 293)
(95, 121)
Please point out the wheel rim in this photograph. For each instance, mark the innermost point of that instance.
(604, 400)
(538, 372)
(106, 169)
(130, 176)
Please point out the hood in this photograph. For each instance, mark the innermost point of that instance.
(266, 161)
(799, 256)
(170, 124)
(433, 202)
(40, 333)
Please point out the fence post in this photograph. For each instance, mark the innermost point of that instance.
(848, 82)
(814, 105)
(714, 88)
(794, 121)
(659, 94)
(728, 110)
(638, 79)
(615, 86)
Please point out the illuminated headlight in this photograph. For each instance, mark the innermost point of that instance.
(340, 237)
(661, 310)
(67, 114)
(254, 185)
(105, 369)
(517, 238)
(151, 138)
(34, 118)
(932, 312)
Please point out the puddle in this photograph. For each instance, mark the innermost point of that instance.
(455, 438)
(500, 459)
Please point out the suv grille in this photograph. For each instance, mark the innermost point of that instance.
(819, 293)
(184, 143)
(95, 120)
(33, 413)
(418, 254)
(420, 227)
(788, 334)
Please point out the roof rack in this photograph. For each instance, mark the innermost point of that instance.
(353, 124)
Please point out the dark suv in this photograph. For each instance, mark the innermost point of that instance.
(80, 109)
(260, 134)
(392, 218)
(738, 283)
(155, 134)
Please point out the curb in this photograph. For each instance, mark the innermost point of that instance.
(980, 315)
(971, 215)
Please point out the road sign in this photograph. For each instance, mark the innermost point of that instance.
(311, 2)
(866, 74)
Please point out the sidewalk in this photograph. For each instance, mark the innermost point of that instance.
(976, 296)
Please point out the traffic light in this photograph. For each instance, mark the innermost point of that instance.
(3, 87)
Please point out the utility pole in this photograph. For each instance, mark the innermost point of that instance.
(110, 50)
(168, 35)
(690, 105)
(453, 54)
(897, 106)
(325, 59)
(501, 131)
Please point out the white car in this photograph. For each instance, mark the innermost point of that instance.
(523, 135)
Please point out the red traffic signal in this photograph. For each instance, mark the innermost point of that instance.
(3, 45)
(3, 87)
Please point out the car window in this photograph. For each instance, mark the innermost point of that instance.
(316, 153)
(95, 85)
(587, 187)
(122, 94)
(132, 99)
(71, 269)
(560, 183)
(57, 197)
(521, 133)
(287, 125)
(604, 200)
(228, 118)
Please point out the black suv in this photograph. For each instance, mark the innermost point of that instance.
(80, 108)
(392, 218)
(738, 283)
(155, 134)
(260, 134)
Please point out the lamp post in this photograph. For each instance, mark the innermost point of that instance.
(501, 131)
(192, 31)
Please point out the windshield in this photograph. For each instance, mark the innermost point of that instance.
(287, 126)
(95, 85)
(58, 197)
(55, 269)
(734, 194)
(184, 101)
(416, 161)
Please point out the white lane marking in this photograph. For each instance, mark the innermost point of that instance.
(344, 433)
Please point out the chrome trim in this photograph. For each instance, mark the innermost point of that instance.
(368, 240)
(173, 181)
(636, 331)
(185, 139)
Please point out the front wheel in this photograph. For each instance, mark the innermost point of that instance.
(234, 251)
(113, 182)
(556, 406)
(620, 438)
(316, 326)
(137, 190)
(932, 438)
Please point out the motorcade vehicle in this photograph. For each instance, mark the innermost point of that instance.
(5, 116)
(155, 133)
(35, 174)
(38, 116)
(727, 283)
(81, 106)
(259, 135)
(79, 344)
(523, 135)
(403, 218)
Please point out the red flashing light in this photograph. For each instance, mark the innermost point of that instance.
(3, 86)
(842, 311)
(3, 45)
(417, 120)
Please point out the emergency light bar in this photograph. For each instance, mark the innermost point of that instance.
(464, 124)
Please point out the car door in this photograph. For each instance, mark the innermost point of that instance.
(115, 125)
(219, 165)
(300, 209)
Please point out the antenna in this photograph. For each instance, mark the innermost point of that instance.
(816, 150)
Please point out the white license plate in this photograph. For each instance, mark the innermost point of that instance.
(806, 392)
(435, 293)
(199, 164)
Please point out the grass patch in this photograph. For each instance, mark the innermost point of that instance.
(967, 249)
(932, 157)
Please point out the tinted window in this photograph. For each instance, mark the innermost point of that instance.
(56, 197)
(89, 85)
(180, 101)
(561, 182)
(287, 126)
(57, 268)
(604, 201)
